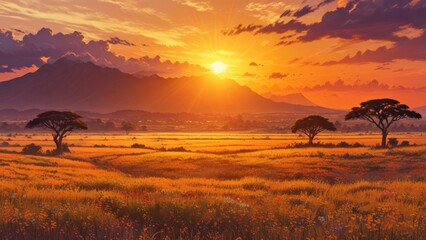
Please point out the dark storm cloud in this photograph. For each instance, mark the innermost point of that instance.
(17, 54)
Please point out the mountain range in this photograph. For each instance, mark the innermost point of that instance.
(294, 98)
(74, 85)
(421, 110)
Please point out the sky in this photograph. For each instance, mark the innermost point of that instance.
(336, 52)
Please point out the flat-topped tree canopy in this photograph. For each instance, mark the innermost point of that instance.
(312, 125)
(382, 113)
(61, 123)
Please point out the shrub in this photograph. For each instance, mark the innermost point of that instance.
(343, 144)
(32, 149)
(177, 149)
(5, 144)
(326, 145)
(392, 142)
(138, 145)
(405, 144)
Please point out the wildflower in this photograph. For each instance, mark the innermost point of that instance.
(387, 193)
(244, 205)
(337, 229)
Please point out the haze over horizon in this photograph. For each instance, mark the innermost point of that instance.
(329, 50)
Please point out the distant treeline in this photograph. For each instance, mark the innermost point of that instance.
(364, 127)
(235, 123)
(95, 125)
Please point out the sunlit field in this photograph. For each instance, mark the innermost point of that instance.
(212, 186)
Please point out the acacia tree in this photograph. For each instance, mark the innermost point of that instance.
(312, 125)
(382, 113)
(128, 127)
(61, 123)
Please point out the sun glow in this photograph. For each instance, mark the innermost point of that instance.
(218, 67)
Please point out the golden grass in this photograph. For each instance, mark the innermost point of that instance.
(212, 193)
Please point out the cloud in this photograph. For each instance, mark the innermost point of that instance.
(401, 22)
(358, 19)
(86, 17)
(240, 29)
(368, 19)
(304, 11)
(116, 40)
(277, 75)
(325, 2)
(34, 49)
(267, 12)
(282, 27)
(341, 86)
(307, 9)
(254, 64)
(200, 6)
(286, 13)
(247, 74)
(409, 49)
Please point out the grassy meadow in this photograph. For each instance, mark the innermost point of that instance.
(212, 186)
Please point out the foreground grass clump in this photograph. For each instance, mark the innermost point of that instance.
(53, 198)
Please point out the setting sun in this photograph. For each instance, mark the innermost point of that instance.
(218, 67)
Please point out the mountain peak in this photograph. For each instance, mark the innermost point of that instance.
(293, 98)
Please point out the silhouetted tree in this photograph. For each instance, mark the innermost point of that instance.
(382, 113)
(128, 127)
(61, 123)
(312, 125)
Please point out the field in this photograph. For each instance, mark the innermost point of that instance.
(212, 186)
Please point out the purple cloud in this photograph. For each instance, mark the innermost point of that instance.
(286, 13)
(240, 29)
(358, 20)
(18, 54)
(304, 11)
(116, 40)
(409, 49)
(340, 85)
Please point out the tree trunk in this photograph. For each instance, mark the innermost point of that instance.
(58, 143)
(384, 138)
(311, 140)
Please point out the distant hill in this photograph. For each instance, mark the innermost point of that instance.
(295, 98)
(84, 86)
(421, 110)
